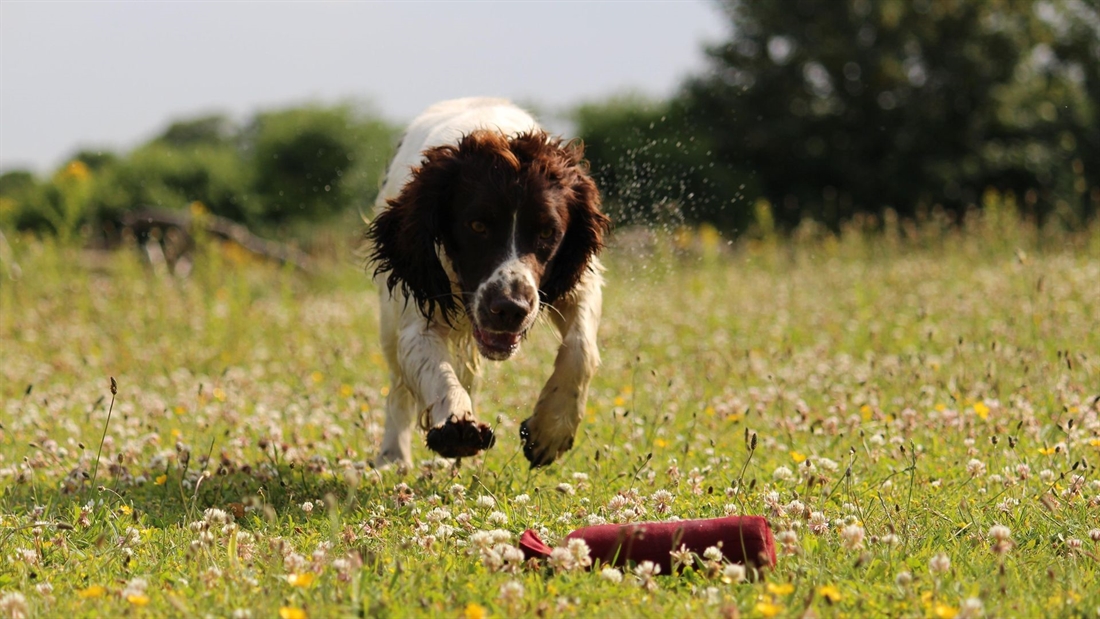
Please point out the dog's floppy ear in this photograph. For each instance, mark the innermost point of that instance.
(405, 236)
(584, 237)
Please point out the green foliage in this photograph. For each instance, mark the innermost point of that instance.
(653, 165)
(854, 106)
(162, 175)
(22, 201)
(313, 162)
(274, 172)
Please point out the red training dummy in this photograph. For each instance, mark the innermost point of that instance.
(742, 539)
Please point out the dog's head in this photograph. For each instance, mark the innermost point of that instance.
(512, 221)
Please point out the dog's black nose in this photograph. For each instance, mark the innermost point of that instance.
(509, 313)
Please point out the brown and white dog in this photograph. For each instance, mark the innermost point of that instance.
(482, 221)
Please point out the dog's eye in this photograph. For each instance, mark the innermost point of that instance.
(478, 227)
(546, 233)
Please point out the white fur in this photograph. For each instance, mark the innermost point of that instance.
(433, 366)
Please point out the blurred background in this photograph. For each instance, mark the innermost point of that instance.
(741, 115)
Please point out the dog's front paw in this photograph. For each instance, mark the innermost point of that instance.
(543, 443)
(460, 438)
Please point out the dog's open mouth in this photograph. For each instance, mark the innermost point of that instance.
(497, 345)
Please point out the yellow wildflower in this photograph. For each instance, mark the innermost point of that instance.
(161, 479)
(290, 612)
(943, 611)
(767, 608)
(1046, 451)
(474, 611)
(346, 391)
(304, 579)
(982, 410)
(94, 591)
(317, 376)
(138, 600)
(829, 592)
(783, 589)
(798, 457)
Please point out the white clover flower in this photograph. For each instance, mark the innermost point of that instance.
(733, 572)
(498, 518)
(14, 606)
(975, 467)
(511, 592)
(712, 553)
(215, 516)
(645, 572)
(939, 563)
(1000, 533)
(522, 499)
(970, 608)
(712, 595)
(789, 540)
(611, 574)
(647, 569)
(135, 587)
(486, 502)
(851, 537)
(782, 473)
(438, 515)
(294, 563)
(562, 560)
(566, 488)
(26, 556)
(581, 553)
(819, 524)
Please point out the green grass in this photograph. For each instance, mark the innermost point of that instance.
(916, 392)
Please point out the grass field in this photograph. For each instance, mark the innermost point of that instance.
(926, 419)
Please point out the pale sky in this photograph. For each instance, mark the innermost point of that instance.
(110, 75)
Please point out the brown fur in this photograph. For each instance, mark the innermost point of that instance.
(490, 176)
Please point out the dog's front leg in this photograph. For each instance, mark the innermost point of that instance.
(550, 430)
(453, 431)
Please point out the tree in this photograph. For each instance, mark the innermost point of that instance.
(313, 162)
(852, 106)
(652, 165)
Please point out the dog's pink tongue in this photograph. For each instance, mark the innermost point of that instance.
(499, 340)
(503, 340)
